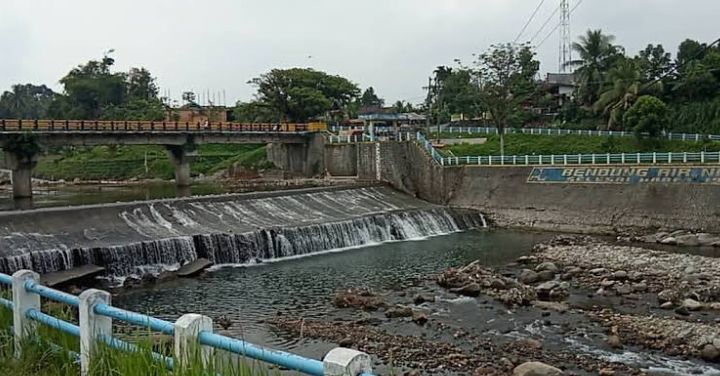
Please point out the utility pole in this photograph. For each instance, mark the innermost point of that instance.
(565, 48)
(428, 111)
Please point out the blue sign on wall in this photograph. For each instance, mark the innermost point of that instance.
(625, 175)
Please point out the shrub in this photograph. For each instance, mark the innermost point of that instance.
(647, 116)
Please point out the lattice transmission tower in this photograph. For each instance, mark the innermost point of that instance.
(565, 49)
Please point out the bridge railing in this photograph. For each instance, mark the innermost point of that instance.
(191, 331)
(153, 126)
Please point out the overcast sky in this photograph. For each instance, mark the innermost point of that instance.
(392, 45)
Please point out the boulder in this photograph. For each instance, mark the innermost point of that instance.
(399, 311)
(689, 240)
(547, 286)
(624, 289)
(620, 275)
(546, 275)
(669, 241)
(419, 318)
(420, 299)
(529, 343)
(692, 305)
(707, 239)
(614, 341)
(710, 353)
(471, 289)
(640, 287)
(549, 266)
(551, 306)
(528, 277)
(598, 271)
(496, 283)
(536, 369)
(714, 306)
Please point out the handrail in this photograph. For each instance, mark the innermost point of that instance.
(28, 302)
(125, 126)
(135, 318)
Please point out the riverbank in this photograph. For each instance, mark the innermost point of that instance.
(580, 304)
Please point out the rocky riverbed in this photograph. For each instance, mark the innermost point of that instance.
(580, 304)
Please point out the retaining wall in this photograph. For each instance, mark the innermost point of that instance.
(509, 200)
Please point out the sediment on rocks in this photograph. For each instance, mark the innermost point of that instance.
(475, 279)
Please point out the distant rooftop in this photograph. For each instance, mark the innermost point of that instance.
(560, 79)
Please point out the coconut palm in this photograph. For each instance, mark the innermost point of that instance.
(624, 85)
(597, 54)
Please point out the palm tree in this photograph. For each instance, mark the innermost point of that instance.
(624, 86)
(597, 54)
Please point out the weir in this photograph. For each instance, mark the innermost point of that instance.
(148, 237)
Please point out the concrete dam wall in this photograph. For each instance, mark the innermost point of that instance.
(147, 237)
(509, 197)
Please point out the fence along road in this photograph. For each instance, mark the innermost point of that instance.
(570, 159)
(189, 331)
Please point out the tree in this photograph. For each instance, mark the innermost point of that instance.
(505, 76)
(624, 86)
(654, 62)
(188, 97)
(597, 56)
(460, 93)
(370, 99)
(26, 102)
(299, 94)
(647, 116)
(141, 84)
(92, 86)
(254, 112)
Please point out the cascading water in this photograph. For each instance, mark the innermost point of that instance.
(136, 239)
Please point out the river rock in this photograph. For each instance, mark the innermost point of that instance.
(614, 341)
(358, 298)
(536, 369)
(529, 343)
(528, 277)
(706, 239)
(669, 241)
(496, 283)
(689, 240)
(549, 266)
(607, 283)
(620, 275)
(682, 311)
(551, 306)
(624, 289)
(692, 305)
(598, 271)
(640, 287)
(714, 306)
(710, 353)
(546, 275)
(399, 311)
(471, 289)
(547, 286)
(420, 299)
(419, 318)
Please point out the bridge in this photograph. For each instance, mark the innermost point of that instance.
(21, 140)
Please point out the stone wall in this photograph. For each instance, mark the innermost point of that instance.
(505, 196)
(306, 160)
(341, 159)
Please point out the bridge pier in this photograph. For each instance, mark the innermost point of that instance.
(21, 177)
(306, 159)
(181, 157)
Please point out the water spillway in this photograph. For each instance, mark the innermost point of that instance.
(147, 237)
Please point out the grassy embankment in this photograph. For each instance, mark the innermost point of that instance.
(521, 144)
(145, 162)
(45, 355)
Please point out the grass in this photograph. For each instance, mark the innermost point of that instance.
(120, 162)
(521, 144)
(45, 353)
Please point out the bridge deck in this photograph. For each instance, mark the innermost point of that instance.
(116, 126)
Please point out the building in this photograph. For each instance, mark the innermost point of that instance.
(194, 113)
(561, 86)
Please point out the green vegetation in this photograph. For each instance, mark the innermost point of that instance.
(125, 162)
(46, 354)
(522, 144)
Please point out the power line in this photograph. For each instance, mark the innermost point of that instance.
(529, 20)
(558, 25)
(547, 21)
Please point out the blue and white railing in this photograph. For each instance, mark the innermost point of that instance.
(570, 159)
(579, 132)
(191, 331)
(351, 139)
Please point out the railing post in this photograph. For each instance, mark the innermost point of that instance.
(702, 157)
(187, 346)
(654, 157)
(92, 325)
(22, 301)
(684, 157)
(346, 362)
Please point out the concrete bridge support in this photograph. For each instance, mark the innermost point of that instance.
(181, 156)
(306, 160)
(21, 167)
